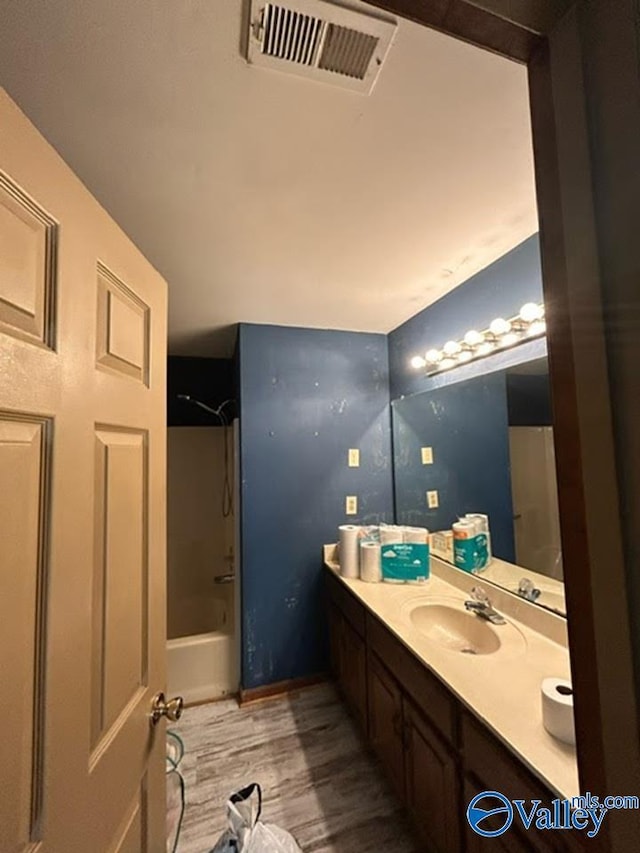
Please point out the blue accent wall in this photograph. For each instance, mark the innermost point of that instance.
(500, 290)
(467, 426)
(306, 397)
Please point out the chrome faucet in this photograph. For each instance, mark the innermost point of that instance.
(480, 604)
(527, 590)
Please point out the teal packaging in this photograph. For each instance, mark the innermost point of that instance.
(405, 563)
(470, 549)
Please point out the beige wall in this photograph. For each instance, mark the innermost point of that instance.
(200, 539)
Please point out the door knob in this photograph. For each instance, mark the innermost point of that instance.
(172, 709)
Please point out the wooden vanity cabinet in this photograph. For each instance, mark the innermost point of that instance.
(436, 753)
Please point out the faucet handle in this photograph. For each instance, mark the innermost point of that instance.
(527, 590)
(479, 594)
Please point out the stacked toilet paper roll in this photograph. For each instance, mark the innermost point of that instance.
(348, 551)
(370, 562)
(557, 709)
(415, 535)
(391, 535)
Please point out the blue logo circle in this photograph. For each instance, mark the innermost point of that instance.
(491, 803)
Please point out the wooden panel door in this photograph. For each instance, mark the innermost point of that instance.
(353, 673)
(432, 783)
(82, 525)
(385, 721)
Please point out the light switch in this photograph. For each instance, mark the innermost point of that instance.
(352, 505)
(354, 457)
(432, 500)
(427, 455)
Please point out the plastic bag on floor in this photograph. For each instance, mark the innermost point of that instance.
(246, 832)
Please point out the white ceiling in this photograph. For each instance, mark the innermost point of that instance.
(262, 197)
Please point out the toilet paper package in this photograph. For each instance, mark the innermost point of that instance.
(441, 544)
(557, 709)
(404, 554)
(349, 551)
(483, 536)
(470, 548)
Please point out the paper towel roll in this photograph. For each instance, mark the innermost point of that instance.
(370, 562)
(557, 709)
(348, 552)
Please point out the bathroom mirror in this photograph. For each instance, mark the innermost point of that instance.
(485, 445)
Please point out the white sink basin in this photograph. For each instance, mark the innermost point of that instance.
(455, 629)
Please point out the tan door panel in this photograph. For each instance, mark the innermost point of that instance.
(82, 515)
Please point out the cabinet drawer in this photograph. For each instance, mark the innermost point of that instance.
(432, 697)
(351, 609)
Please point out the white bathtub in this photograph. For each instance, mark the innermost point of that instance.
(202, 667)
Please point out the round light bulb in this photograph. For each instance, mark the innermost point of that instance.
(417, 362)
(539, 327)
(433, 356)
(500, 327)
(465, 355)
(451, 348)
(485, 348)
(531, 311)
(509, 339)
(473, 338)
(446, 363)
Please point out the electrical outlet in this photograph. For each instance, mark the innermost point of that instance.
(432, 500)
(354, 457)
(427, 455)
(351, 505)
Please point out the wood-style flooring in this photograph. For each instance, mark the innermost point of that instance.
(318, 780)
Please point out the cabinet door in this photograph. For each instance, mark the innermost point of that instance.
(432, 784)
(353, 672)
(385, 721)
(335, 640)
(514, 840)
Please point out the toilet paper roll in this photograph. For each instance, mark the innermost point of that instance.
(557, 709)
(415, 536)
(348, 551)
(370, 562)
(391, 535)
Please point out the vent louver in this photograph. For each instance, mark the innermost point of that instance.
(321, 41)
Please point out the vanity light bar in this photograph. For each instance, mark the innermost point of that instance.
(502, 334)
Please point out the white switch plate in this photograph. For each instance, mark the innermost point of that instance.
(432, 500)
(351, 505)
(427, 455)
(354, 457)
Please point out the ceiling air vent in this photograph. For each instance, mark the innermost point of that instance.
(320, 41)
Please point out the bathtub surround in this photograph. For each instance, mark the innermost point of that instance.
(306, 396)
(318, 780)
(199, 537)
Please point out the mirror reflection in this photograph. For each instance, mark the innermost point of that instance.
(485, 445)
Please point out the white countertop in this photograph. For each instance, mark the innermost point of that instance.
(503, 688)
